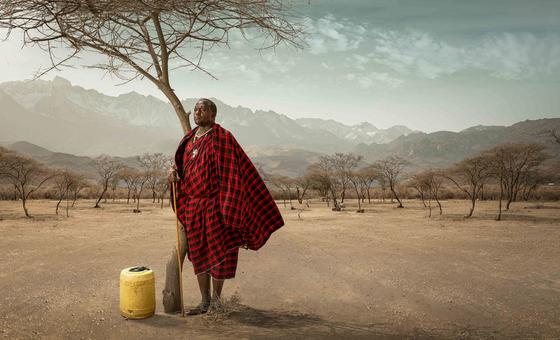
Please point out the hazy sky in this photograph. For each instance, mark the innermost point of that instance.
(430, 65)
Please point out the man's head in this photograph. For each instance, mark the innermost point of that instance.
(204, 112)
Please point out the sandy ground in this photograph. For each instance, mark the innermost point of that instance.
(388, 273)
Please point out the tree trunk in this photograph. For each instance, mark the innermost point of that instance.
(67, 204)
(74, 198)
(171, 293)
(473, 202)
(58, 204)
(439, 204)
(100, 198)
(430, 206)
(499, 217)
(23, 202)
(178, 107)
(396, 197)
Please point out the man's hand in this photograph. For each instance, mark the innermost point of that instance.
(172, 175)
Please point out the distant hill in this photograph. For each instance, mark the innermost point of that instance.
(57, 115)
(443, 148)
(359, 133)
(58, 160)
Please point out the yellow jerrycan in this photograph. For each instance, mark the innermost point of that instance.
(137, 293)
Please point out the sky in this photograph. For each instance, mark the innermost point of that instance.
(427, 64)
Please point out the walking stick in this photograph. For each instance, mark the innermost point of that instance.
(178, 250)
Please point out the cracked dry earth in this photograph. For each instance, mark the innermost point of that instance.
(386, 273)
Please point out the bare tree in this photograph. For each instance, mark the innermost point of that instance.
(128, 175)
(143, 177)
(157, 164)
(285, 184)
(436, 182)
(107, 169)
(26, 174)
(368, 175)
(302, 184)
(319, 180)
(519, 160)
(421, 183)
(63, 180)
(469, 175)
(146, 39)
(344, 166)
(355, 177)
(326, 168)
(162, 186)
(79, 183)
(512, 166)
(391, 169)
(114, 185)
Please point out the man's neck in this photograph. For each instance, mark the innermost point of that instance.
(203, 128)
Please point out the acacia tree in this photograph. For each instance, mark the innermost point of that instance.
(435, 180)
(150, 173)
(519, 160)
(469, 176)
(138, 185)
(344, 166)
(162, 186)
(146, 39)
(326, 168)
(157, 164)
(285, 184)
(127, 174)
(114, 185)
(391, 169)
(63, 181)
(79, 183)
(513, 165)
(319, 181)
(368, 175)
(355, 177)
(107, 169)
(302, 184)
(26, 174)
(420, 182)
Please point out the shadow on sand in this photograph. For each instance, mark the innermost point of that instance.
(245, 322)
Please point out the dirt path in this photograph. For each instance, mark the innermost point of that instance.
(387, 273)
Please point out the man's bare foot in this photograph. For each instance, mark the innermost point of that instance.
(200, 309)
(216, 305)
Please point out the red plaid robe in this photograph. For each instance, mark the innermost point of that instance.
(222, 201)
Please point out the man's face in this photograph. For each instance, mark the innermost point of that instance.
(203, 116)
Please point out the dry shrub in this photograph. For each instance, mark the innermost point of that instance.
(224, 308)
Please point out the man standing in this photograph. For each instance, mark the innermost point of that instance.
(222, 203)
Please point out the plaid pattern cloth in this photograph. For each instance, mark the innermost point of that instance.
(222, 193)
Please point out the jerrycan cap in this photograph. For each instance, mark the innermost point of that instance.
(138, 269)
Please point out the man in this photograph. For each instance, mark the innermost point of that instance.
(222, 203)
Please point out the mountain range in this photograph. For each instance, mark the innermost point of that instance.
(56, 115)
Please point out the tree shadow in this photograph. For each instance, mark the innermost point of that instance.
(506, 216)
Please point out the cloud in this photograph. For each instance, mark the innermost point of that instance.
(331, 34)
(504, 55)
(377, 79)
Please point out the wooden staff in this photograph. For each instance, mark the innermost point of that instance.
(179, 263)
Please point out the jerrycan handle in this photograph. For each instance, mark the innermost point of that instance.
(138, 269)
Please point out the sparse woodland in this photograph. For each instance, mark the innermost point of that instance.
(507, 173)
